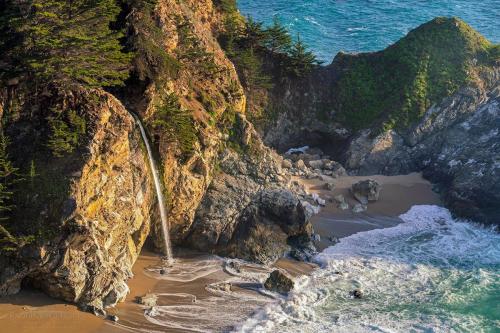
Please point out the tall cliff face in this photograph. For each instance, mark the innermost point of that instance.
(88, 211)
(403, 109)
(83, 202)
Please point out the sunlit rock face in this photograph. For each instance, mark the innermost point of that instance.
(97, 221)
(456, 145)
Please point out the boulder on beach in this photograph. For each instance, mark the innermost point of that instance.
(279, 281)
(287, 164)
(359, 208)
(341, 202)
(148, 300)
(316, 164)
(329, 186)
(300, 165)
(366, 191)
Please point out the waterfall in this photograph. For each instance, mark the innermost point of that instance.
(159, 192)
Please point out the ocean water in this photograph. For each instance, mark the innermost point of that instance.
(428, 274)
(329, 26)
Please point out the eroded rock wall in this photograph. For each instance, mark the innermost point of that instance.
(101, 219)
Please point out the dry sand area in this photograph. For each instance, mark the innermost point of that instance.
(397, 196)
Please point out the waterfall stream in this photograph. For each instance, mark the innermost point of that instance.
(159, 192)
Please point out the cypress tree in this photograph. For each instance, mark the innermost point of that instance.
(66, 41)
(278, 39)
(7, 178)
(301, 61)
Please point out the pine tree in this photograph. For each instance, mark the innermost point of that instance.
(254, 34)
(300, 60)
(278, 39)
(7, 178)
(66, 41)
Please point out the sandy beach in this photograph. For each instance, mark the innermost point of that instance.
(397, 196)
(194, 294)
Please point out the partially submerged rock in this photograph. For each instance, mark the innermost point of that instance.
(341, 202)
(279, 281)
(329, 186)
(359, 208)
(366, 191)
(356, 293)
(148, 300)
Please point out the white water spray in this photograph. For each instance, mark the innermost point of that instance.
(159, 192)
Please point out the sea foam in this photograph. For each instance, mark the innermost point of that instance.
(430, 273)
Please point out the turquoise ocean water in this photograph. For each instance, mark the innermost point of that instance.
(329, 26)
(430, 274)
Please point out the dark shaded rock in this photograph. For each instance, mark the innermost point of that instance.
(359, 208)
(357, 294)
(279, 281)
(366, 190)
(266, 225)
(329, 186)
(95, 310)
(250, 210)
(113, 318)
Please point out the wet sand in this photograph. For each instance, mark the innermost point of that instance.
(397, 196)
(189, 298)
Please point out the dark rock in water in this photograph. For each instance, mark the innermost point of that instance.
(357, 294)
(329, 186)
(163, 271)
(333, 239)
(280, 282)
(148, 300)
(234, 266)
(95, 310)
(152, 311)
(113, 318)
(366, 190)
(359, 208)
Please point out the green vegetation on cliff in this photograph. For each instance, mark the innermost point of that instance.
(256, 49)
(394, 88)
(63, 41)
(67, 130)
(177, 123)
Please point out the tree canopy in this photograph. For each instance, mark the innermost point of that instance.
(63, 41)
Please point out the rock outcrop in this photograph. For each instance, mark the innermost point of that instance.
(83, 216)
(248, 210)
(366, 191)
(395, 112)
(99, 212)
(456, 145)
(279, 281)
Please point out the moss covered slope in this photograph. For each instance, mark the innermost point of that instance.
(393, 88)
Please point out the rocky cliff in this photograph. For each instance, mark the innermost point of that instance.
(89, 212)
(76, 197)
(80, 197)
(427, 103)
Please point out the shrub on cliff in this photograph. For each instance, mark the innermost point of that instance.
(175, 124)
(145, 40)
(300, 61)
(67, 130)
(394, 88)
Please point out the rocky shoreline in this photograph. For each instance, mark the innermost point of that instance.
(78, 202)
